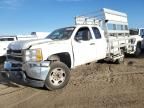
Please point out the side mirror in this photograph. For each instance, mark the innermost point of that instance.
(106, 21)
(78, 38)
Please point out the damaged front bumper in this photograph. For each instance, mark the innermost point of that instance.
(31, 73)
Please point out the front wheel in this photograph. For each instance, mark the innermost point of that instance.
(58, 76)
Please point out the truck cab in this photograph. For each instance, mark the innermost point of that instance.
(85, 42)
(138, 40)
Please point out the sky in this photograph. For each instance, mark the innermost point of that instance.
(26, 16)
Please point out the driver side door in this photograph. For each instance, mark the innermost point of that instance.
(83, 46)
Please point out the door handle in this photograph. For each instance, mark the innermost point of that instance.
(92, 43)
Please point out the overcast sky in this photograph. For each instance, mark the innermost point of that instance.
(25, 16)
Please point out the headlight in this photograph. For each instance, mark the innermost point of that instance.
(33, 55)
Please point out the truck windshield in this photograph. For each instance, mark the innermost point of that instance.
(134, 31)
(61, 34)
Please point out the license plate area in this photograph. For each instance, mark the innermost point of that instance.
(7, 65)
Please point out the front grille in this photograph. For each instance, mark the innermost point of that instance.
(15, 55)
(17, 65)
(16, 69)
(14, 51)
(14, 58)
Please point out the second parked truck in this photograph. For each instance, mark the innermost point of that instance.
(47, 62)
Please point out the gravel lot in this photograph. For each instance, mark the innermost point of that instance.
(97, 85)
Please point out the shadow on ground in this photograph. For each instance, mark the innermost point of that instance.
(5, 81)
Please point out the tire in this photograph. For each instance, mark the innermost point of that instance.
(58, 76)
(138, 50)
(120, 60)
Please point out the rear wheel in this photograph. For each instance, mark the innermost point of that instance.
(58, 76)
(138, 50)
(121, 59)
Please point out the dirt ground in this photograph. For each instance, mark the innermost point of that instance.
(97, 85)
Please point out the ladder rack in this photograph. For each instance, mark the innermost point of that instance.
(83, 20)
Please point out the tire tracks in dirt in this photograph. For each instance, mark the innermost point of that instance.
(11, 96)
(10, 90)
(44, 99)
(25, 99)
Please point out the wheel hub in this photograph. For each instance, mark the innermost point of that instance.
(57, 76)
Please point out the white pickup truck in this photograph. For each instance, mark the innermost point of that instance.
(137, 36)
(47, 62)
(5, 40)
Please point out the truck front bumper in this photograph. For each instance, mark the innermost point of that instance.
(31, 73)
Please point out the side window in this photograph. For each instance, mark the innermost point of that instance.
(96, 33)
(142, 32)
(83, 34)
(10, 39)
(7, 39)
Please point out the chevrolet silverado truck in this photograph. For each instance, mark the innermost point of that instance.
(47, 62)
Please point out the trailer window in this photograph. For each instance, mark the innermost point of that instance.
(118, 27)
(122, 27)
(111, 26)
(126, 27)
(96, 33)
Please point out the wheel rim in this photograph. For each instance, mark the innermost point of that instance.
(57, 76)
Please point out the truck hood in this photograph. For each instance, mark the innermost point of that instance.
(17, 45)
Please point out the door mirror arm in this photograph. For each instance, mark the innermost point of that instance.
(78, 39)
